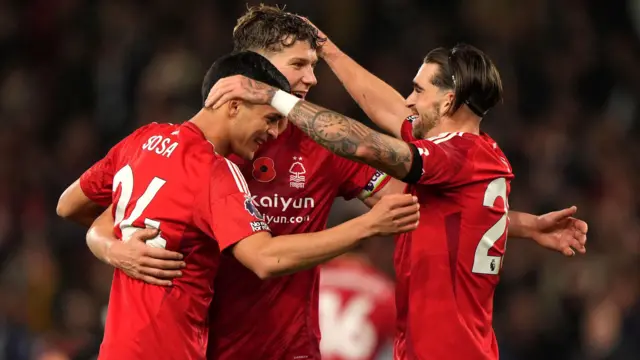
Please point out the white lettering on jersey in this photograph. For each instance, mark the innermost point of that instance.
(283, 203)
(160, 145)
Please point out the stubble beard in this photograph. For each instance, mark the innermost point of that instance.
(428, 122)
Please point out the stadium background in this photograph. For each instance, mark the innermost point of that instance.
(76, 75)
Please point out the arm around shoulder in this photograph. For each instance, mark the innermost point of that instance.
(281, 255)
(269, 256)
(74, 205)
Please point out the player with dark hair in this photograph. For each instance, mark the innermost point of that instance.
(175, 179)
(293, 181)
(448, 269)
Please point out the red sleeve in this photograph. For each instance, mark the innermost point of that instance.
(361, 180)
(97, 181)
(445, 159)
(406, 131)
(225, 210)
(358, 179)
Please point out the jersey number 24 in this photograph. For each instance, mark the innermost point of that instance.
(124, 178)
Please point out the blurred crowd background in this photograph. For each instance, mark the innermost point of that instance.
(77, 75)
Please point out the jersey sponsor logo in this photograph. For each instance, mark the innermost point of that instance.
(271, 219)
(264, 169)
(259, 226)
(251, 208)
(297, 171)
(283, 203)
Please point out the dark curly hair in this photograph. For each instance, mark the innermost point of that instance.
(271, 29)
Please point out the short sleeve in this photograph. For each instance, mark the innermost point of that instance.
(358, 180)
(445, 159)
(225, 210)
(97, 181)
(406, 130)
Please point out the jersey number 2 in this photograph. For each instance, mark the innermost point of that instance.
(124, 178)
(484, 263)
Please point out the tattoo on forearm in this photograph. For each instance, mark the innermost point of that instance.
(351, 139)
(259, 90)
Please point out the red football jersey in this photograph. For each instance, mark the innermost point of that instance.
(294, 182)
(357, 310)
(448, 268)
(169, 177)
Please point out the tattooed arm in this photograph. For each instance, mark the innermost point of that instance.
(379, 100)
(352, 140)
(348, 138)
(338, 133)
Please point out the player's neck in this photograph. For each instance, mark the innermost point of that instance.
(459, 122)
(214, 130)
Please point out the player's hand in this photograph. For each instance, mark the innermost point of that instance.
(239, 87)
(325, 46)
(394, 214)
(560, 231)
(152, 265)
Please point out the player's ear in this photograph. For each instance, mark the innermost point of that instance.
(233, 108)
(447, 104)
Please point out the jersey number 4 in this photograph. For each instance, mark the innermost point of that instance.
(124, 178)
(484, 263)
